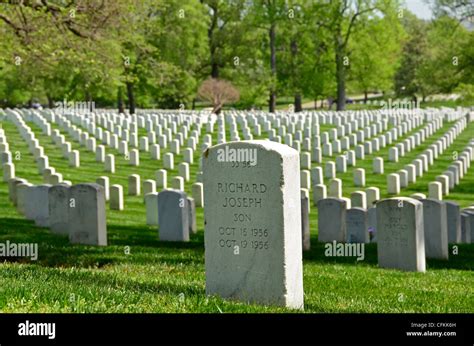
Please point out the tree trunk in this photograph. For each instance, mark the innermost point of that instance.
(340, 74)
(89, 100)
(194, 104)
(272, 100)
(217, 109)
(215, 69)
(121, 108)
(315, 103)
(50, 101)
(298, 103)
(131, 98)
(366, 97)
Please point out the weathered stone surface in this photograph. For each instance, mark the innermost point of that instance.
(173, 216)
(87, 222)
(332, 220)
(357, 225)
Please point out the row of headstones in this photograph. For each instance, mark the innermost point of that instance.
(77, 211)
(349, 159)
(54, 178)
(114, 192)
(407, 175)
(454, 174)
(338, 221)
(133, 155)
(6, 163)
(343, 161)
(398, 180)
(42, 161)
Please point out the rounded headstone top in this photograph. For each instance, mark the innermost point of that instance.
(398, 200)
(282, 149)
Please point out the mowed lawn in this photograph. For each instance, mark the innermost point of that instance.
(138, 273)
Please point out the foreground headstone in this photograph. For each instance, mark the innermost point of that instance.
(436, 229)
(87, 223)
(253, 223)
(400, 234)
(173, 216)
(58, 196)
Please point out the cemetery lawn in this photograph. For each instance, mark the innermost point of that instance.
(155, 276)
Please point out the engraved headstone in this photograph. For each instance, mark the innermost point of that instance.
(253, 223)
(400, 234)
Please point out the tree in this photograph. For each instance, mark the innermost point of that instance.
(374, 53)
(218, 92)
(344, 17)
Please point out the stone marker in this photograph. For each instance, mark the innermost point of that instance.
(453, 214)
(162, 178)
(335, 188)
(359, 177)
(37, 205)
(319, 192)
(151, 206)
(359, 199)
(378, 165)
(436, 229)
(192, 216)
(400, 234)
(373, 195)
(21, 196)
(305, 230)
(253, 225)
(357, 225)
(105, 183)
(87, 224)
(435, 190)
(173, 216)
(198, 194)
(12, 189)
(116, 197)
(58, 196)
(465, 228)
(332, 220)
(134, 185)
(393, 184)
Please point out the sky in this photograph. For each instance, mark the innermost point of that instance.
(420, 8)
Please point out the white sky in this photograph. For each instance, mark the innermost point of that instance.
(420, 8)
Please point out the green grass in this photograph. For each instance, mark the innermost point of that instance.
(169, 277)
